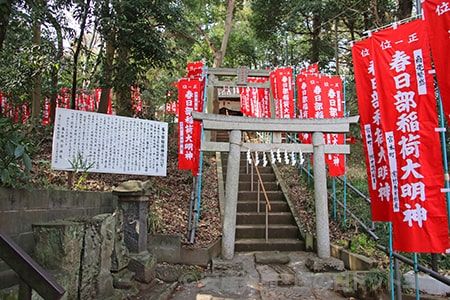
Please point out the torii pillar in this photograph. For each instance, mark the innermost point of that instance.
(235, 146)
(231, 195)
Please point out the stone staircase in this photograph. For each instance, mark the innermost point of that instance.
(283, 232)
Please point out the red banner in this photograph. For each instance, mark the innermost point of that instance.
(311, 69)
(379, 180)
(409, 119)
(195, 69)
(304, 93)
(255, 101)
(190, 98)
(437, 20)
(283, 92)
(333, 108)
(172, 108)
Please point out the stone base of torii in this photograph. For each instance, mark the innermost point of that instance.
(236, 125)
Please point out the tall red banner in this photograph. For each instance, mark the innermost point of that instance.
(333, 107)
(303, 94)
(283, 92)
(437, 20)
(379, 180)
(408, 108)
(190, 98)
(321, 97)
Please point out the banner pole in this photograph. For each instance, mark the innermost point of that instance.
(444, 154)
(416, 276)
(344, 100)
(391, 267)
(200, 167)
(333, 181)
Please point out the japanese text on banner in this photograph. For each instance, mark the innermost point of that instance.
(409, 120)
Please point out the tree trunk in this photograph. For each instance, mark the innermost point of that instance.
(77, 54)
(122, 90)
(107, 76)
(220, 55)
(315, 44)
(37, 85)
(5, 12)
(55, 71)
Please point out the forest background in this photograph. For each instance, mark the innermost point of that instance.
(115, 44)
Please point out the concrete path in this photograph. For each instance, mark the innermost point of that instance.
(256, 276)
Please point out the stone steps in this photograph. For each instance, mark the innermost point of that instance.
(251, 206)
(259, 231)
(283, 233)
(255, 244)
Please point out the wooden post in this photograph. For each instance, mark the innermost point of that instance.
(231, 195)
(320, 193)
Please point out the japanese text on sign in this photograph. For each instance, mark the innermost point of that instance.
(109, 144)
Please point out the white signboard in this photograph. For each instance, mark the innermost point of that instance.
(109, 144)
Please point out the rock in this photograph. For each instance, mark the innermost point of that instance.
(269, 277)
(120, 254)
(122, 279)
(427, 284)
(134, 187)
(106, 230)
(316, 264)
(59, 245)
(96, 278)
(144, 266)
(276, 275)
(286, 275)
(82, 251)
(165, 247)
(168, 273)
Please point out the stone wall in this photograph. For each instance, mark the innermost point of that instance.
(19, 209)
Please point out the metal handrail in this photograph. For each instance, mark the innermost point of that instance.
(31, 275)
(260, 184)
(259, 176)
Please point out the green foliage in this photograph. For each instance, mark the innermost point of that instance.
(15, 149)
(361, 244)
(80, 167)
(154, 219)
(375, 281)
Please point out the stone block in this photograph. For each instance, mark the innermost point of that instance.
(268, 258)
(135, 212)
(427, 284)
(165, 247)
(122, 279)
(168, 273)
(120, 254)
(285, 274)
(143, 265)
(269, 277)
(107, 229)
(331, 264)
(195, 256)
(310, 243)
(96, 278)
(58, 245)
